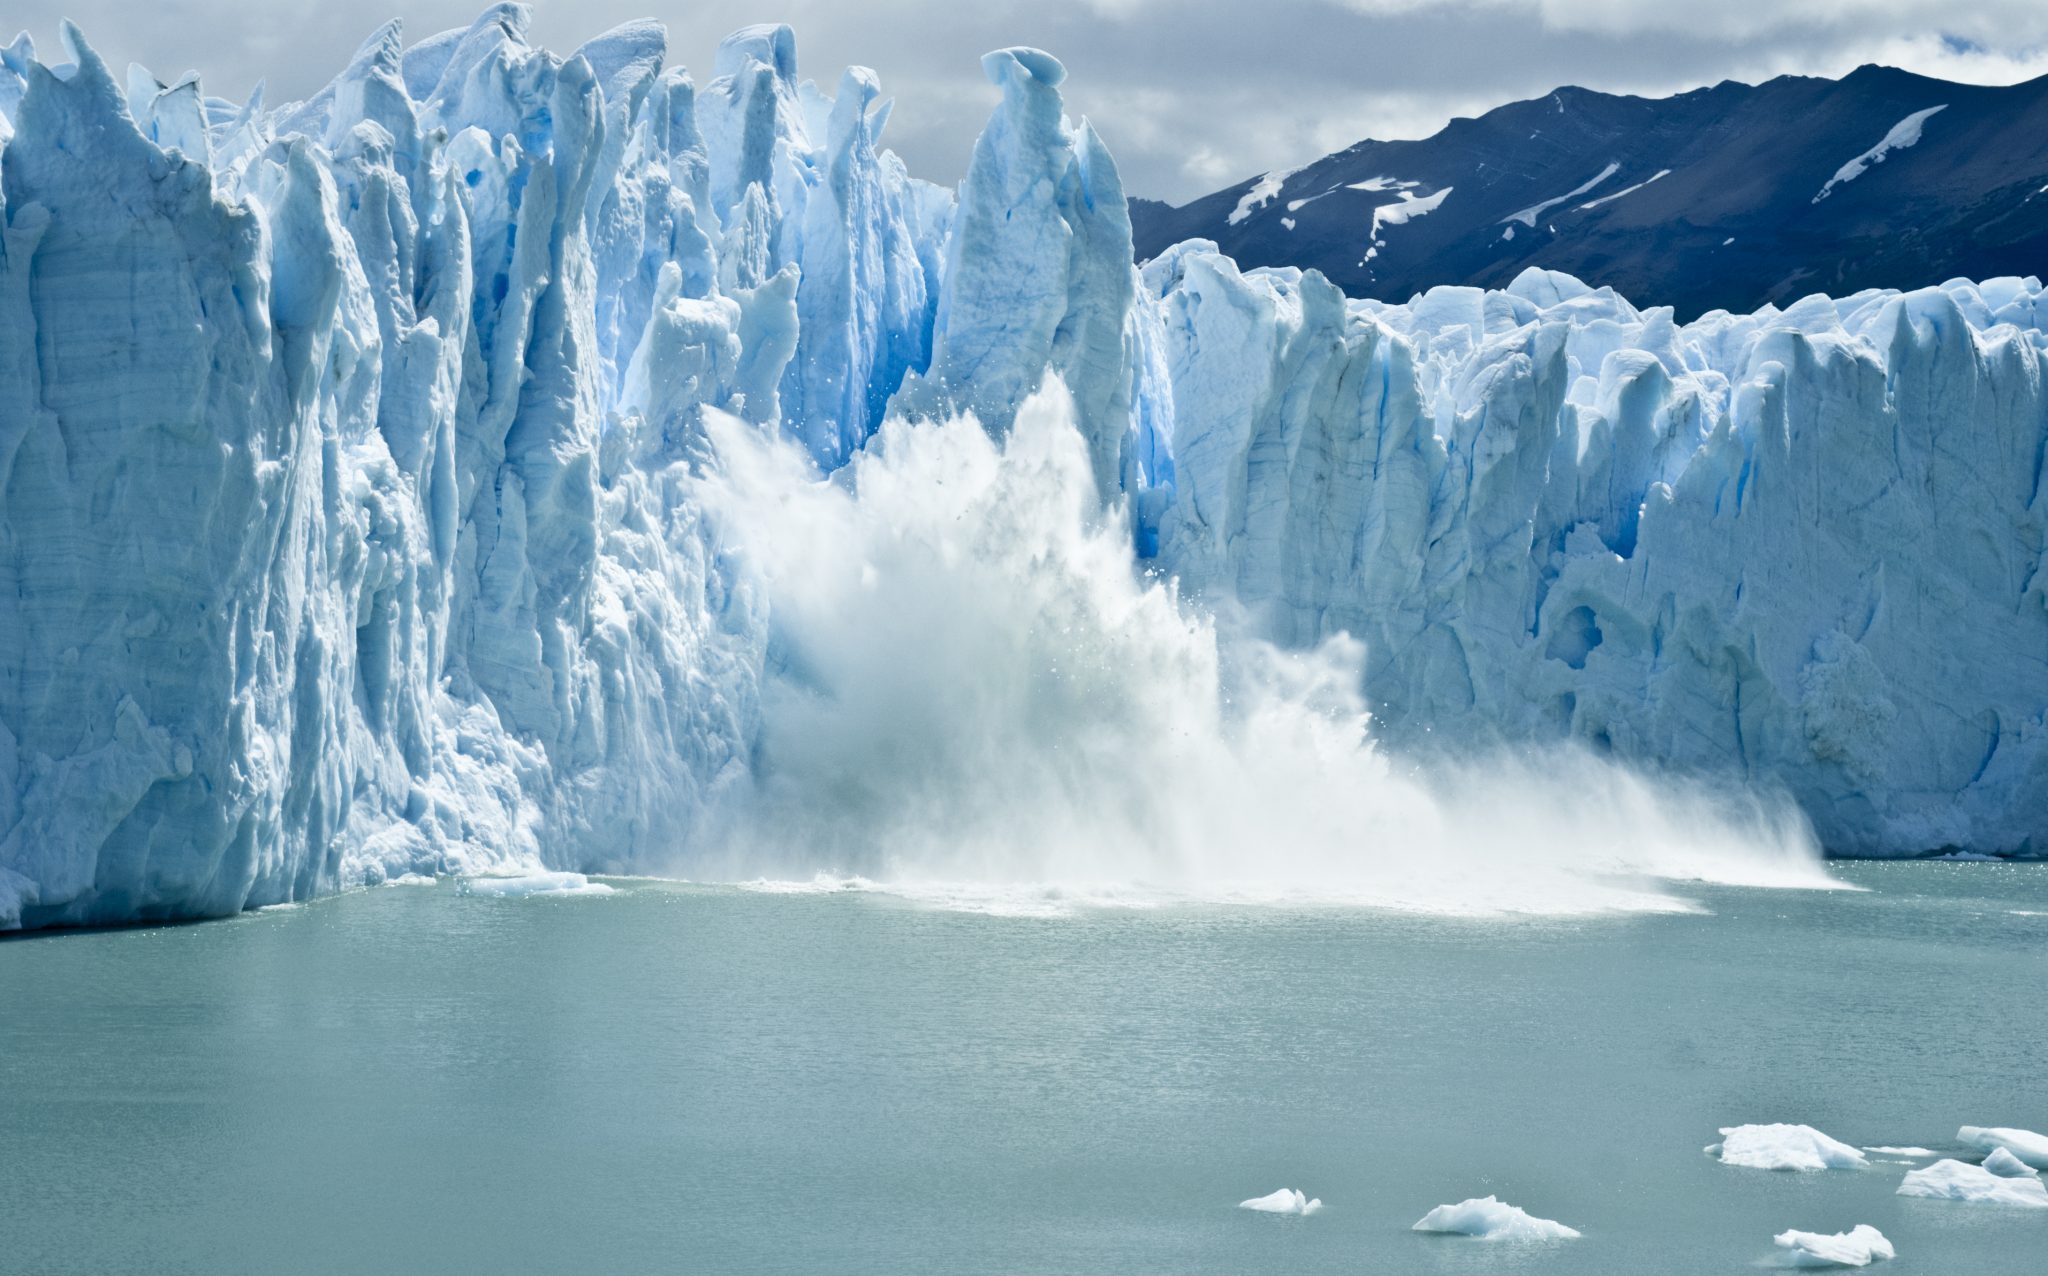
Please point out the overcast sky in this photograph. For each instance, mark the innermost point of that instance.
(1191, 95)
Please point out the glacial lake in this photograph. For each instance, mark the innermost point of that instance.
(715, 1079)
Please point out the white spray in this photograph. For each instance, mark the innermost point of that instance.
(974, 696)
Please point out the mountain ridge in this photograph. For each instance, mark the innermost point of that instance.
(1730, 196)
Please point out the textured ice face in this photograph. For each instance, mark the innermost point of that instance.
(344, 461)
(345, 453)
(1804, 548)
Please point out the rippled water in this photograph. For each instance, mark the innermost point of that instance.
(677, 1077)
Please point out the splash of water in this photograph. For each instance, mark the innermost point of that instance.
(976, 697)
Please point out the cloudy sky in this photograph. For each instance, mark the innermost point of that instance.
(1191, 95)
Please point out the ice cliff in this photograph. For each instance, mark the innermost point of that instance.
(1806, 547)
(345, 522)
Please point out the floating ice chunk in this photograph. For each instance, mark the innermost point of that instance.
(1492, 1219)
(1949, 1180)
(1284, 1201)
(411, 879)
(1890, 1151)
(1860, 1246)
(2007, 1166)
(1784, 1147)
(2024, 1144)
(533, 884)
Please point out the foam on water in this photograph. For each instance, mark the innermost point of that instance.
(520, 886)
(978, 699)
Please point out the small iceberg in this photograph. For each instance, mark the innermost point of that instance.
(2024, 1144)
(1858, 1247)
(1784, 1147)
(1284, 1201)
(525, 884)
(1492, 1219)
(1913, 1152)
(1961, 1181)
(2007, 1166)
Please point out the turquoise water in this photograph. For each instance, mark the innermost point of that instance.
(710, 1079)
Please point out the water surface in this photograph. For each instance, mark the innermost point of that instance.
(677, 1077)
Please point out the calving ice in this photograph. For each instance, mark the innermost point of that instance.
(383, 477)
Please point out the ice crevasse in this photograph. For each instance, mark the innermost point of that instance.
(345, 529)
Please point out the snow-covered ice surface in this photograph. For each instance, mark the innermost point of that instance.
(1285, 1201)
(1860, 1246)
(2028, 1146)
(1492, 1219)
(1784, 1147)
(349, 451)
(1950, 1180)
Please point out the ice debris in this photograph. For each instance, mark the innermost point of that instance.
(1284, 1201)
(2028, 1146)
(1860, 1246)
(1951, 1180)
(523, 885)
(1490, 1218)
(1784, 1147)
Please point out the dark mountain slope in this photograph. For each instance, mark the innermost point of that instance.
(1712, 198)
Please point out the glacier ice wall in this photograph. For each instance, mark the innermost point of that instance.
(1806, 548)
(346, 521)
(341, 465)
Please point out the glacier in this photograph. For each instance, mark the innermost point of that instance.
(350, 528)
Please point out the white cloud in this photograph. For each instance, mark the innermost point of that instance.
(1191, 95)
(2002, 21)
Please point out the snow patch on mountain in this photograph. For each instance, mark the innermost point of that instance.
(1628, 190)
(1902, 135)
(1528, 216)
(1406, 209)
(1263, 192)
